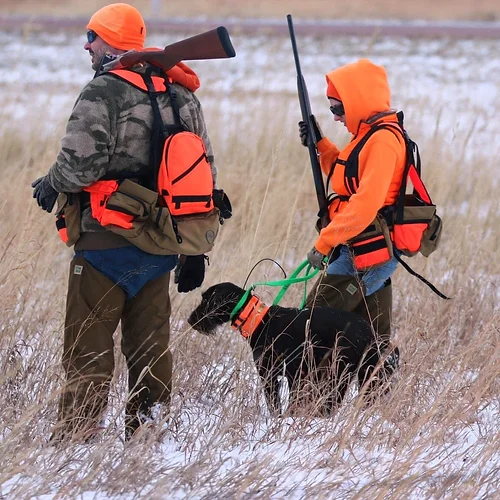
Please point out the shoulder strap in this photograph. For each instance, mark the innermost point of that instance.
(157, 130)
(136, 79)
(160, 131)
(177, 114)
(351, 175)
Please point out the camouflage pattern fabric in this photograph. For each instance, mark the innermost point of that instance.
(109, 133)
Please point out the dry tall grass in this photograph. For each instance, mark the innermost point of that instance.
(477, 10)
(436, 436)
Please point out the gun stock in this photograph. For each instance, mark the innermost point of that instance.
(213, 44)
(305, 108)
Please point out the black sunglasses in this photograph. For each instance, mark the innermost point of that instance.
(91, 36)
(338, 109)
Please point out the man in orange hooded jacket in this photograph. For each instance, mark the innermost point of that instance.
(359, 97)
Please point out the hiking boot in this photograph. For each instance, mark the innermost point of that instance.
(377, 310)
(148, 423)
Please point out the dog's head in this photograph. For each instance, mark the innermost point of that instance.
(215, 307)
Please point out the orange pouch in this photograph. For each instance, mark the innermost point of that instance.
(411, 226)
(105, 207)
(407, 237)
(370, 252)
(185, 177)
(68, 218)
(373, 247)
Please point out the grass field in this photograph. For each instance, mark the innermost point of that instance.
(482, 10)
(436, 436)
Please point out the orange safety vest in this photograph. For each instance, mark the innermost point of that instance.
(373, 246)
(370, 248)
(183, 175)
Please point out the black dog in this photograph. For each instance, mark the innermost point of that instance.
(342, 345)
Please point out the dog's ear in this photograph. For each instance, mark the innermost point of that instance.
(208, 292)
(234, 290)
(223, 293)
(215, 308)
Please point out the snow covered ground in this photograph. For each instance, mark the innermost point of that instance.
(448, 87)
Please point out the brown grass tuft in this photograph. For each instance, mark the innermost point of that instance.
(435, 436)
(478, 10)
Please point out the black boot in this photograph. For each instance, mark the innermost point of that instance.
(377, 310)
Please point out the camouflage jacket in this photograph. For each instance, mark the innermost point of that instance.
(109, 133)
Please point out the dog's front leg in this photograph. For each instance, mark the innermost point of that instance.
(269, 368)
(295, 379)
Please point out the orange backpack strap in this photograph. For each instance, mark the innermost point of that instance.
(351, 164)
(411, 172)
(159, 131)
(137, 80)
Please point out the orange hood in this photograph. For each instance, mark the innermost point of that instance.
(364, 91)
(180, 73)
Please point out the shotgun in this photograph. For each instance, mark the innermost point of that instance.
(305, 108)
(213, 44)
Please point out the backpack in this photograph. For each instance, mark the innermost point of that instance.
(182, 176)
(175, 211)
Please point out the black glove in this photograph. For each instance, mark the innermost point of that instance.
(190, 272)
(316, 259)
(304, 132)
(221, 201)
(44, 193)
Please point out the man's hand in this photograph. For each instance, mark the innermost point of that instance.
(304, 132)
(190, 272)
(316, 259)
(44, 193)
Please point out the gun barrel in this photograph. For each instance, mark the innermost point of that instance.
(305, 108)
(293, 40)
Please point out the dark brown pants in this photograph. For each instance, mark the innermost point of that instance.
(346, 292)
(95, 306)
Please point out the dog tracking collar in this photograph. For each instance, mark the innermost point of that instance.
(250, 317)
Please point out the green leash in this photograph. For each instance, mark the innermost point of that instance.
(284, 284)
